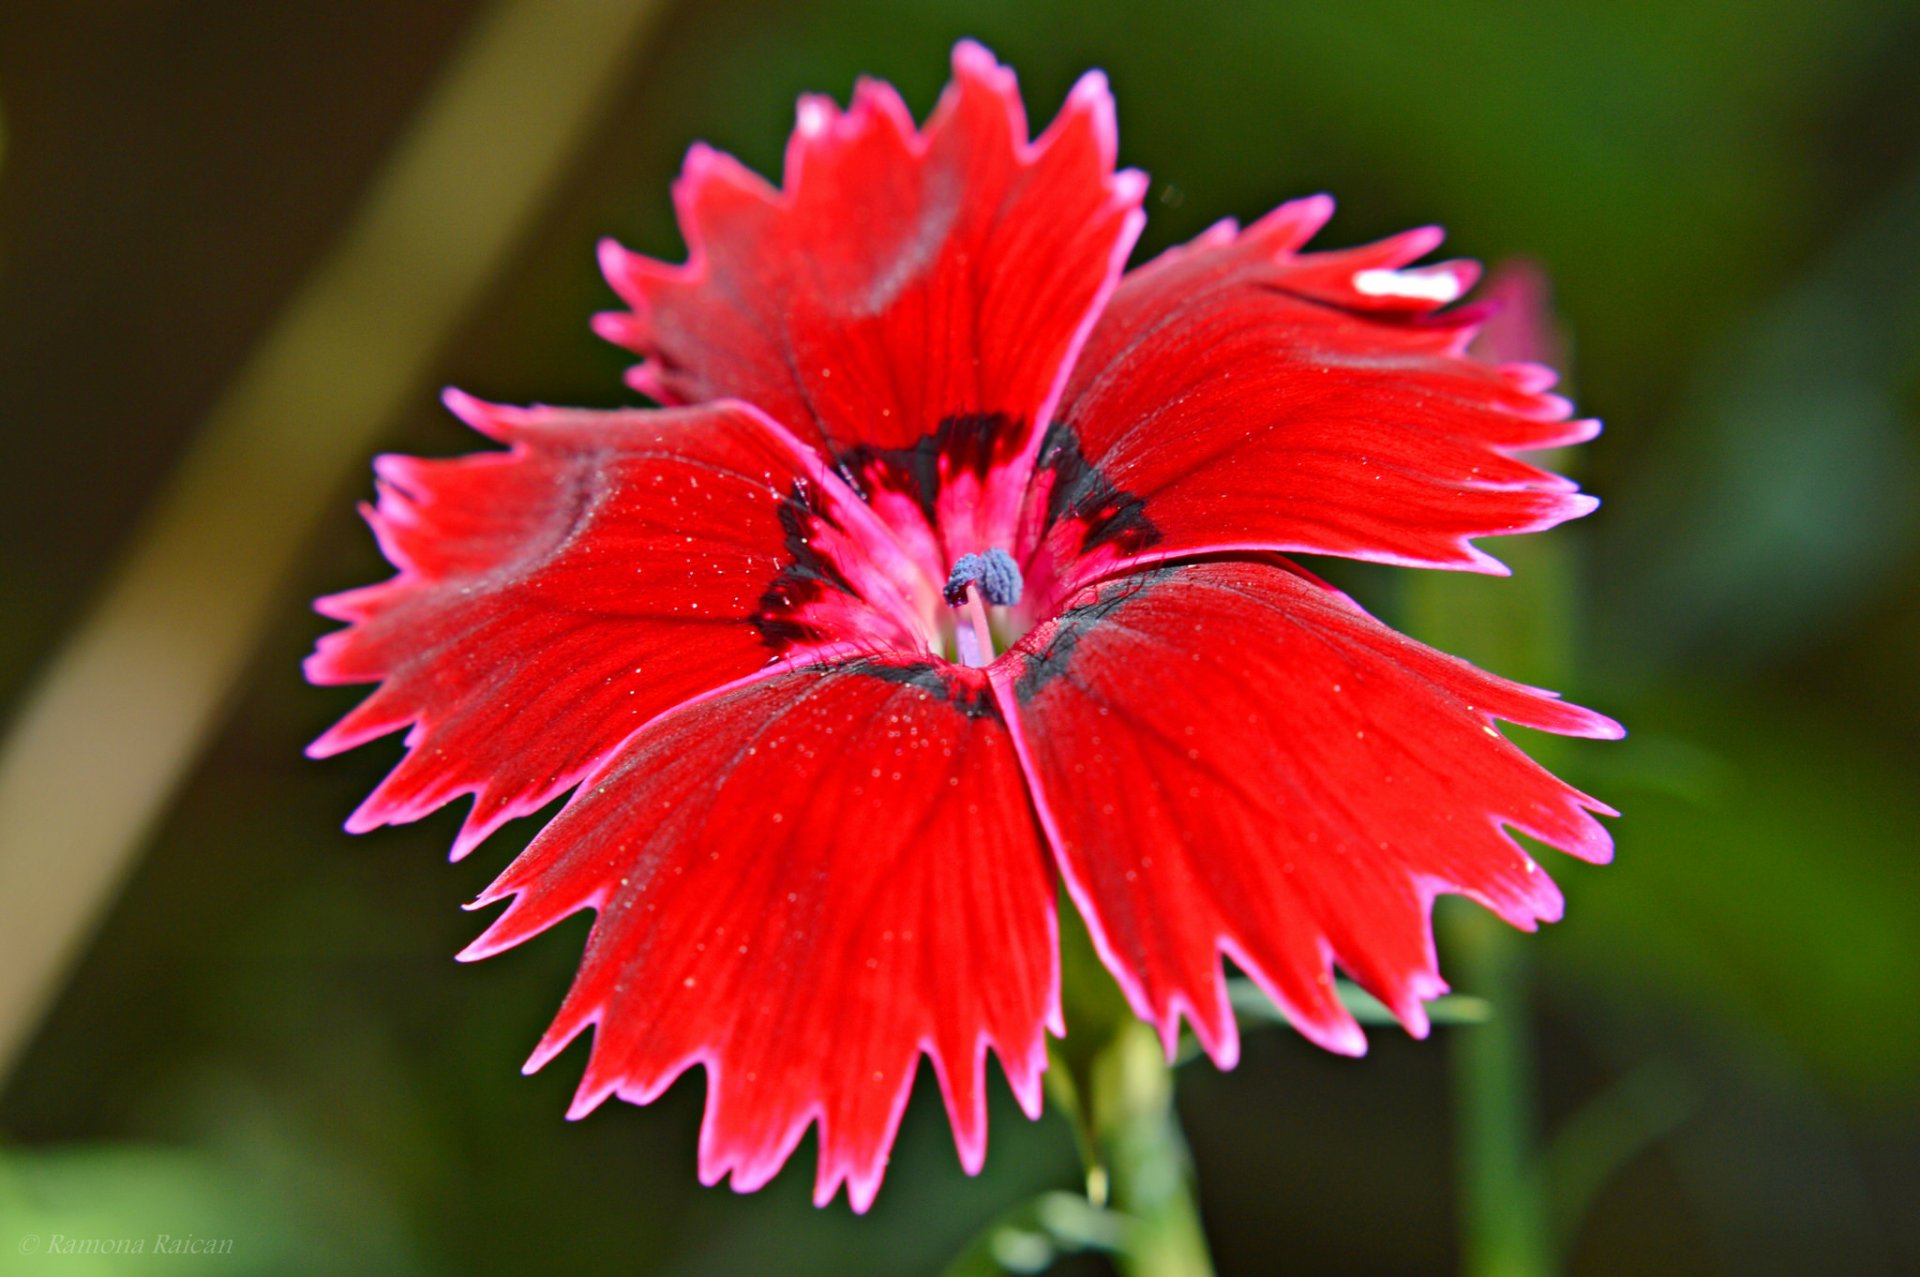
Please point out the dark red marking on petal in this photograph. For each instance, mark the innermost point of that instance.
(953, 491)
(1070, 489)
(902, 278)
(973, 444)
(1076, 523)
(803, 886)
(1233, 759)
(820, 595)
(554, 597)
(1252, 397)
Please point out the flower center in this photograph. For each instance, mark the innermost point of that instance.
(919, 550)
(976, 581)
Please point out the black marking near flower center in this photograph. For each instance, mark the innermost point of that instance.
(1039, 668)
(1111, 515)
(812, 597)
(994, 572)
(963, 444)
(974, 442)
(807, 574)
(970, 698)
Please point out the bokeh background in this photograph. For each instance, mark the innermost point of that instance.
(264, 1037)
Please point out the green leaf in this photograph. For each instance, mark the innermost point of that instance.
(1254, 1009)
(1030, 1237)
(1603, 1136)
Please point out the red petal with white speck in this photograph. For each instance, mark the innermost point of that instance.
(903, 278)
(1241, 395)
(803, 886)
(554, 597)
(1235, 760)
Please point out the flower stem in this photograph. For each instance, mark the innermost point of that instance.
(1503, 1206)
(1145, 1158)
(1111, 1078)
(1520, 628)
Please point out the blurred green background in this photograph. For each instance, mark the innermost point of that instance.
(266, 1038)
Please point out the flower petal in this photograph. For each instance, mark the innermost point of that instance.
(902, 281)
(554, 597)
(1520, 328)
(1239, 395)
(802, 886)
(1234, 759)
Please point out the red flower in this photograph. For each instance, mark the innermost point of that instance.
(917, 416)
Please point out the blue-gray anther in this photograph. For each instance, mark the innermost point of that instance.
(995, 572)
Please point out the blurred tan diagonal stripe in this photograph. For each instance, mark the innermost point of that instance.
(120, 714)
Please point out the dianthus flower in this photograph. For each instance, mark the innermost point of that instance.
(950, 571)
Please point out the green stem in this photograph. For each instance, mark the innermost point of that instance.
(1505, 1230)
(1111, 1078)
(1520, 628)
(1145, 1158)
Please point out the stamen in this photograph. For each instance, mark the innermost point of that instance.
(995, 572)
(977, 580)
(974, 640)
